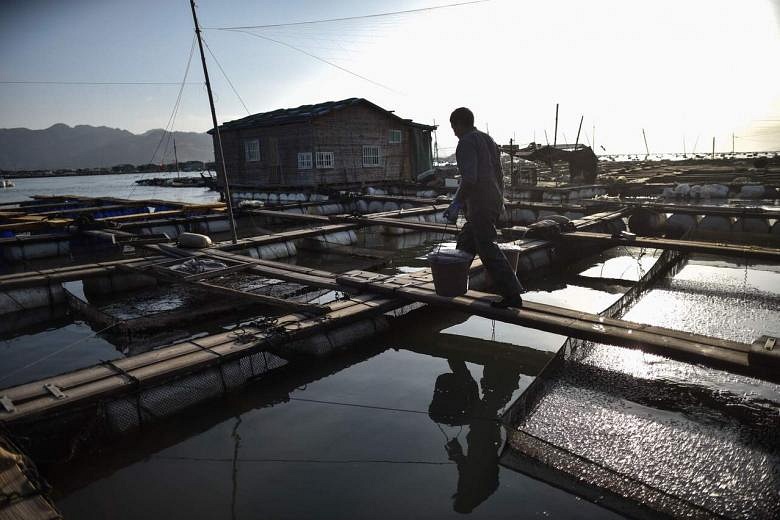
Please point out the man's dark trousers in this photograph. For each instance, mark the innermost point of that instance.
(478, 238)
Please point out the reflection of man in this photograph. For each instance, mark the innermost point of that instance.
(481, 191)
(456, 402)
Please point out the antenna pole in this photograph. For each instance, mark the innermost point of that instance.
(228, 198)
(577, 141)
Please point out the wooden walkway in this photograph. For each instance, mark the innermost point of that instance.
(21, 495)
(56, 212)
(746, 358)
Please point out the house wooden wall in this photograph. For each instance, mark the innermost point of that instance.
(343, 132)
(278, 162)
(346, 131)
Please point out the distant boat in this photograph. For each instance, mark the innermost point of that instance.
(6, 183)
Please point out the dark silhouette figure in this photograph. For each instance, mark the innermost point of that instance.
(582, 161)
(456, 402)
(481, 193)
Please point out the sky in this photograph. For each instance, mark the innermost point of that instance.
(685, 71)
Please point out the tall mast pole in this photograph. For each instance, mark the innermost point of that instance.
(228, 198)
(175, 157)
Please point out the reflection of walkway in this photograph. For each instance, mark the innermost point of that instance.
(456, 402)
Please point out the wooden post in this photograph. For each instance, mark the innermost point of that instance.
(732, 143)
(647, 150)
(555, 136)
(713, 147)
(579, 128)
(229, 200)
(512, 163)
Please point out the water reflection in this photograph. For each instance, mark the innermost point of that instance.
(456, 402)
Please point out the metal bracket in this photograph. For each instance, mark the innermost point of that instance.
(8, 404)
(55, 391)
(770, 344)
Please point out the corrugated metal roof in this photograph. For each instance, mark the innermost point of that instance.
(284, 116)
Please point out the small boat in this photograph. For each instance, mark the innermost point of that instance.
(6, 183)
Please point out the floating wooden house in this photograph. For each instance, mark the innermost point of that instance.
(347, 142)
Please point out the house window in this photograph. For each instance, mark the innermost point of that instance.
(304, 161)
(370, 156)
(252, 150)
(395, 136)
(324, 159)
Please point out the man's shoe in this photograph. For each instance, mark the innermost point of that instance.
(508, 301)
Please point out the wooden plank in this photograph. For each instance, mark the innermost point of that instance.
(287, 215)
(424, 280)
(22, 498)
(70, 273)
(570, 323)
(688, 246)
(233, 269)
(284, 236)
(32, 508)
(389, 218)
(264, 299)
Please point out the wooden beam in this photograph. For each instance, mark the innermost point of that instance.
(688, 246)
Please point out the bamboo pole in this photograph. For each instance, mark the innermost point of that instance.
(579, 128)
(228, 198)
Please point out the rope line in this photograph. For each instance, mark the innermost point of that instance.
(98, 83)
(323, 60)
(171, 119)
(300, 461)
(226, 77)
(361, 17)
(58, 351)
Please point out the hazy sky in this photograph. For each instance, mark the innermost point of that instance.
(681, 69)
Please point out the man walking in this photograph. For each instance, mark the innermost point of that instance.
(481, 193)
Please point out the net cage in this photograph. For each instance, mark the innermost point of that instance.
(58, 438)
(624, 492)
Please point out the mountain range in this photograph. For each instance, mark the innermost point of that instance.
(82, 146)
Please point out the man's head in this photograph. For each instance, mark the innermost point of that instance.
(462, 121)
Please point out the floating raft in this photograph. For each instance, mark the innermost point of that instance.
(383, 293)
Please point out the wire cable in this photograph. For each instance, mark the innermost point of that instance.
(171, 118)
(58, 351)
(361, 17)
(307, 53)
(226, 77)
(96, 83)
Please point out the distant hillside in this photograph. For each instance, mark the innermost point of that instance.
(84, 146)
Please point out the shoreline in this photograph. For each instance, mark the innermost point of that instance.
(91, 173)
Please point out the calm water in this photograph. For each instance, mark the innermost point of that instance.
(353, 437)
(121, 186)
(406, 424)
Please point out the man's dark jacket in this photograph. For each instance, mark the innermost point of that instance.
(481, 182)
